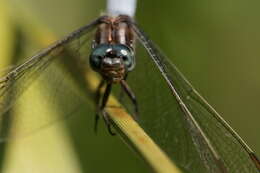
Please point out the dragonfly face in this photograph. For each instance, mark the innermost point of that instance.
(112, 61)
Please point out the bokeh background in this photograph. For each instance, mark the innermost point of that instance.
(215, 45)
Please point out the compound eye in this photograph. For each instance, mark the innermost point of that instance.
(127, 61)
(127, 56)
(98, 55)
(95, 62)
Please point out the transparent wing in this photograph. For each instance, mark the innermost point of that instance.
(219, 147)
(47, 72)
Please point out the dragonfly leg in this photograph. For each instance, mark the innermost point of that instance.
(97, 100)
(104, 113)
(102, 107)
(121, 94)
(107, 122)
(131, 95)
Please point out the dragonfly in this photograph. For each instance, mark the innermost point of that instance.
(112, 56)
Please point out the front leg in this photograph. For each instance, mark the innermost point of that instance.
(122, 91)
(97, 102)
(102, 109)
(132, 97)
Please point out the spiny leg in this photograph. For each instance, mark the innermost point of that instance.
(104, 102)
(97, 101)
(107, 122)
(131, 95)
(121, 94)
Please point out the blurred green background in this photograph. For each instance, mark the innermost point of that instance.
(215, 44)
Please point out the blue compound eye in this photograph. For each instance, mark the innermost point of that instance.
(97, 55)
(126, 54)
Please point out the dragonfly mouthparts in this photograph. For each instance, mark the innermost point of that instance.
(113, 69)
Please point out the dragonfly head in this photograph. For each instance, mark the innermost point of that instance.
(112, 61)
